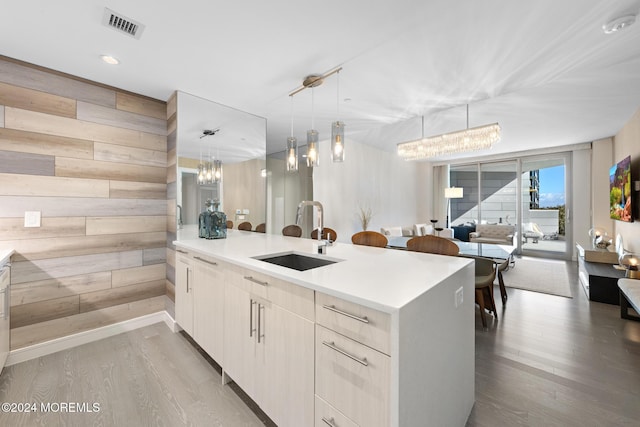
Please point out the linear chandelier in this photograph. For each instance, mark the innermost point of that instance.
(469, 139)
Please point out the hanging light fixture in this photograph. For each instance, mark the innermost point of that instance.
(210, 171)
(469, 139)
(292, 147)
(216, 171)
(337, 130)
(313, 157)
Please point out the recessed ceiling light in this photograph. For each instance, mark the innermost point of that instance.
(618, 24)
(110, 59)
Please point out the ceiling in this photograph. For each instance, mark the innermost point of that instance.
(544, 70)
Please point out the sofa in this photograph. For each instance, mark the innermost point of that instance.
(493, 233)
(415, 230)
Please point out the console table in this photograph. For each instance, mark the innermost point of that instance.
(599, 281)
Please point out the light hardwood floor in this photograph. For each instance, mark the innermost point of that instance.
(148, 377)
(555, 361)
(547, 361)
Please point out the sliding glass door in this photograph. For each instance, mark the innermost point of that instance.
(544, 226)
(529, 193)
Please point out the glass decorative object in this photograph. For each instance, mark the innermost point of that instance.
(212, 224)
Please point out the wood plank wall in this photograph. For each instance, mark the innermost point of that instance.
(93, 160)
(172, 194)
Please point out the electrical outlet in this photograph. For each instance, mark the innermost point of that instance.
(32, 219)
(459, 297)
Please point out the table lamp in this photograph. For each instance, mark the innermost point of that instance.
(630, 263)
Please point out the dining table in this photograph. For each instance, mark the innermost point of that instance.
(501, 255)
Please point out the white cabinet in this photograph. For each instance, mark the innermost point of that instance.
(353, 368)
(269, 342)
(208, 305)
(184, 292)
(200, 301)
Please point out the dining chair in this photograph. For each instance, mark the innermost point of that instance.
(229, 224)
(261, 228)
(292, 230)
(369, 238)
(245, 226)
(326, 231)
(485, 274)
(503, 290)
(433, 244)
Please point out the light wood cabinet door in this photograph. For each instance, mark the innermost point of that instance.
(353, 378)
(289, 364)
(240, 328)
(209, 307)
(184, 293)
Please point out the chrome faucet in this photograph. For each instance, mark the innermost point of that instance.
(301, 207)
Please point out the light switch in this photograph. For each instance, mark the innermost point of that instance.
(245, 211)
(32, 219)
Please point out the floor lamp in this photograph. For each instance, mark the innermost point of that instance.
(451, 193)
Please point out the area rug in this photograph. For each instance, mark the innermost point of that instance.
(539, 275)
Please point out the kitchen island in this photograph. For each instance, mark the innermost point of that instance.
(376, 338)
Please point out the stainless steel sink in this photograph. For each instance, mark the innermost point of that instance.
(295, 261)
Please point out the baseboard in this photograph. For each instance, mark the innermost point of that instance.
(70, 341)
(170, 322)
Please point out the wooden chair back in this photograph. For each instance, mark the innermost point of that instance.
(369, 238)
(433, 245)
(229, 224)
(261, 228)
(326, 231)
(292, 231)
(245, 226)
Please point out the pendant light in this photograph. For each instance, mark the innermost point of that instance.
(337, 130)
(313, 157)
(292, 147)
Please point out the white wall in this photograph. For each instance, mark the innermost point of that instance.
(627, 143)
(372, 178)
(602, 160)
(582, 214)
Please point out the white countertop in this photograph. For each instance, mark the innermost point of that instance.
(384, 279)
(5, 255)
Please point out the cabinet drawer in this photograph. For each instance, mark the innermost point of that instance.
(363, 324)
(352, 378)
(328, 416)
(291, 297)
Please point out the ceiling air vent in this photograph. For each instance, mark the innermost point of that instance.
(122, 24)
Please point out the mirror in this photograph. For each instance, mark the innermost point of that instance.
(287, 190)
(208, 131)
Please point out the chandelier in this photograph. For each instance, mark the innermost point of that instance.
(209, 172)
(469, 139)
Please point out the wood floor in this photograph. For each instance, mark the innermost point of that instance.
(547, 361)
(555, 361)
(147, 377)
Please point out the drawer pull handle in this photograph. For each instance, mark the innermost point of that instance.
(259, 282)
(181, 251)
(332, 346)
(329, 422)
(344, 313)
(204, 260)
